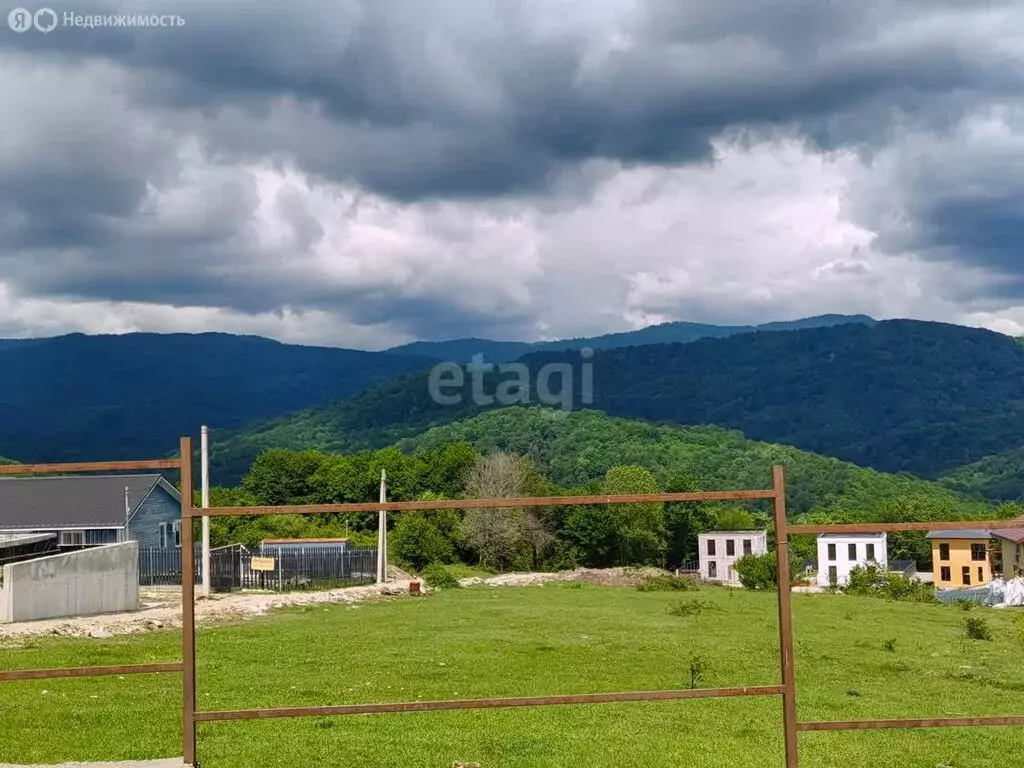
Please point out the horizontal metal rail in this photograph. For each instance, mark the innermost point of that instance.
(526, 701)
(935, 722)
(88, 466)
(130, 669)
(958, 525)
(531, 501)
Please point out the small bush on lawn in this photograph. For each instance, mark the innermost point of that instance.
(759, 571)
(976, 628)
(439, 577)
(872, 581)
(667, 582)
(691, 607)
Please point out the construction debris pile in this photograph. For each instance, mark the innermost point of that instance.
(995, 594)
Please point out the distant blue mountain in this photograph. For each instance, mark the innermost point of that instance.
(78, 397)
(463, 350)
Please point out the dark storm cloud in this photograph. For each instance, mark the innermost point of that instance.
(422, 101)
(454, 98)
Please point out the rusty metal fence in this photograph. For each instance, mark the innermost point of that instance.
(786, 689)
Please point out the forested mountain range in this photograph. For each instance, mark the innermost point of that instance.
(79, 397)
(463, 350)
(96, 398)
(899, 396)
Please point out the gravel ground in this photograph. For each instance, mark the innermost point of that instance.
(162, 605)
(162, 608)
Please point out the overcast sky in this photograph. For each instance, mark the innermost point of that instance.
(367, 173)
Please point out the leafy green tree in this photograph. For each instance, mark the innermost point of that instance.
(736, 519)
(639, 528)
(416, 541)
(591, 532)
(684, 520)
(280, 477)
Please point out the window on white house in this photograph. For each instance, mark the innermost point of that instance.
(831, 551)
(711, 547)
(852, 552)
(746, 547)
(871, 552)
(730, 547)
(712, 570)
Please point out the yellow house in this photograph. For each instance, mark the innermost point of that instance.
(961, 558)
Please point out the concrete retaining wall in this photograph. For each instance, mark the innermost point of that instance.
(90, 581)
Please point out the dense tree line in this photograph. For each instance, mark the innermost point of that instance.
(523, 452)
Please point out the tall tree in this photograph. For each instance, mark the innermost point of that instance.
(640, 528)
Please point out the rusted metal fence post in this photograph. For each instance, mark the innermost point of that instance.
(188, 596)
(789, 723)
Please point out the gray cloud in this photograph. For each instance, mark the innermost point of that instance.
(438, 169)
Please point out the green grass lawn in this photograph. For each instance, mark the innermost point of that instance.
(483, 641)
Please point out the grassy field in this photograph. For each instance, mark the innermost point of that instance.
(485, 641)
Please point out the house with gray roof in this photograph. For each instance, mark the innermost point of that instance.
(962, 558)
(84, 511)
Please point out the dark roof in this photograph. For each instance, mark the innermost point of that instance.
(965, 534)
(91, 501)
(1012, 534)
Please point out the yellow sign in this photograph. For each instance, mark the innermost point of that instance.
(262, 564)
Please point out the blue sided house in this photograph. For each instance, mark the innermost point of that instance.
(82, 511)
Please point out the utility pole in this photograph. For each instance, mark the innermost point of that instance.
(204, 452)
(382, 532)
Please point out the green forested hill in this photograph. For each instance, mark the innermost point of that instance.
(899, 396)
(1000, 476)
(573, 449)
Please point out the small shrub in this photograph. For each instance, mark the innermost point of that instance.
(976, 628)
(890, 645)
(667, 582)
(871, 581)
(965, 605)
(439, 577)
(698, 666)
(691, 607)
(757, 571)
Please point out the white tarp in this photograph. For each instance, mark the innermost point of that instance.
(1013, 594)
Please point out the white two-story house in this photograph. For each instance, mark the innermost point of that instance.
(838, 554)
(719, 551)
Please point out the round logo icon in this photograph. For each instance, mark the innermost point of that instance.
(19, 20)
(45, 20)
